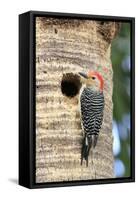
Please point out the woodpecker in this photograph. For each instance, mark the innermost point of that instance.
(91, 101)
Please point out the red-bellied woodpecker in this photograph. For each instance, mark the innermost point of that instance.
(91, 110)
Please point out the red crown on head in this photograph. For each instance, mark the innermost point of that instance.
(99, 76)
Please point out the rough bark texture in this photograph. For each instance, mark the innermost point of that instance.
(65, 46)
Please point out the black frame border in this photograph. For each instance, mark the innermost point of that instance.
(27, 170)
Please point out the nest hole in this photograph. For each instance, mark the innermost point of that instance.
(70, 84)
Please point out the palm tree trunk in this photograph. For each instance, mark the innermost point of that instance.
(63, 48)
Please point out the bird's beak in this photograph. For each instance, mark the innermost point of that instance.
(83, 74)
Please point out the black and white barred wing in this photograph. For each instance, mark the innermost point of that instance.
(92, 105)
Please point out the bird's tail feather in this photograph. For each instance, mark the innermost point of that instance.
(95, 140)
(86, 145)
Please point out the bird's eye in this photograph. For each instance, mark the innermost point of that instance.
(93, 78)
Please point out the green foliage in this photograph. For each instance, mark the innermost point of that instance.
(121, 91)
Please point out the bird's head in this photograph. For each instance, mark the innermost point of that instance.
(92, 79)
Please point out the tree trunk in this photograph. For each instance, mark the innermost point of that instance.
(65, 47)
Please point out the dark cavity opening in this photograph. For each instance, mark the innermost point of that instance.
(70, 84)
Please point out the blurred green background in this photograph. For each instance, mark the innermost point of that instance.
(121, 98)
